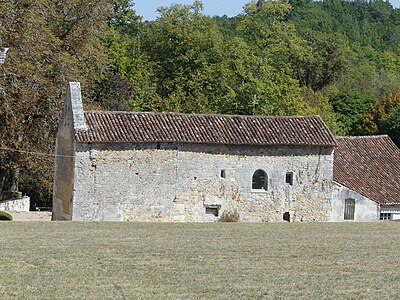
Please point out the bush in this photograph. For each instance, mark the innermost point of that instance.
(230, 216)
(5, 216)
(7, 195)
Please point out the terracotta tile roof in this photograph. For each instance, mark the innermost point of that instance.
(369, 165)
(123, 127)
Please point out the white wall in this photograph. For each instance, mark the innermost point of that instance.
(365, 209)
(395, 210)
(21, 204)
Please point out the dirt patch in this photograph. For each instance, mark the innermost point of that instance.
(31, 215)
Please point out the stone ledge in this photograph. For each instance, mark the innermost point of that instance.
(21, 204)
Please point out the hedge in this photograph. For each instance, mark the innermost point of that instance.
(5, 216)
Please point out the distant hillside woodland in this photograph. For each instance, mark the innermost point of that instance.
(338, 59)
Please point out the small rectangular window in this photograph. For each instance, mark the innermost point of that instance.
(212, 209)
(286, 216)
(289, 178)
(349, 208)
(223, 174)
(386, 216)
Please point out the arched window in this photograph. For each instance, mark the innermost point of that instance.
(260, 180)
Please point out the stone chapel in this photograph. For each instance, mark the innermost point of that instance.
(173, 167)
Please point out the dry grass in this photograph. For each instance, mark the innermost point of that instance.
(65, 260)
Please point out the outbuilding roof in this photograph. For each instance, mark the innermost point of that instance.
(145, 127)
(369, 165)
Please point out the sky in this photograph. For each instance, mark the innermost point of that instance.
(147, 8)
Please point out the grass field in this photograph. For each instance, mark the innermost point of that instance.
(71, 260)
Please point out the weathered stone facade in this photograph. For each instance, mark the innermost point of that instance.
(64, 165)
(181, 183)
(124, 166)
(187, 182)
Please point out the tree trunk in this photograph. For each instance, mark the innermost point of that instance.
(3, 175)
(9, 180)
(14, 178)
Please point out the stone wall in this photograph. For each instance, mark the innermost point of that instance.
(191, 183)
(21, 204)
(365, 208)
(71, 118)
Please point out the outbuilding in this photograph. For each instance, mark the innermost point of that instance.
(142, 166)
(366, 173)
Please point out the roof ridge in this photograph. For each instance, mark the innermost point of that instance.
(114, 112)
(361, 136)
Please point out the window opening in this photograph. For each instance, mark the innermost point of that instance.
(212, 210)
(286, 216)
(289, 178)
(158, 146)
(259, 180)
(349, 208)
(223, 174)
(386, 216)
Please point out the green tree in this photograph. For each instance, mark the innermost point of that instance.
(266, 81)
(27, 86)
(51, 43)
(128, 83)
(350, 109)
(391, 125)
(311, 15)
(326, 59)
(375, 120)
(320, 105)
(186, 49)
